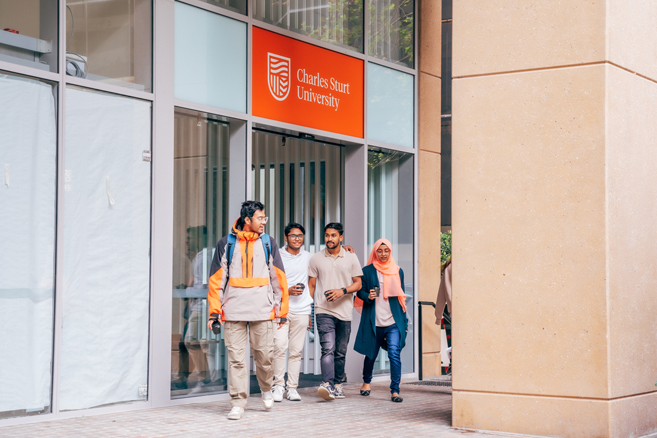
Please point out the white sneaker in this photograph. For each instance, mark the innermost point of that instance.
(235, 413)
(277, 392)
(293, 395)
(267, 400)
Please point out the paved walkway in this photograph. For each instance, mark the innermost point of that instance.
(425, 412)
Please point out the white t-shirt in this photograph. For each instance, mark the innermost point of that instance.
(384, 316)
(296, 271)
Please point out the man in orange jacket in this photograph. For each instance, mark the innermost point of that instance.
(246, 277)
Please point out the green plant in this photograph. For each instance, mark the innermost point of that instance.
(445, 246)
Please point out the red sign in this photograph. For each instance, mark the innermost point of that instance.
(302, 84)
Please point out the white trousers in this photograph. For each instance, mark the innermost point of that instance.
(291, 336)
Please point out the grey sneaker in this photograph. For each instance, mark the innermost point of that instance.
(326, 391)
(277, 392)
(339, 393)
(293, 395)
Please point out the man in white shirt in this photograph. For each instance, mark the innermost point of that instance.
(293, 333)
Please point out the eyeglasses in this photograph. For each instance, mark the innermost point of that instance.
(262, 219)
(295, 236)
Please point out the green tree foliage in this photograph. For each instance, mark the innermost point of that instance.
(445, 247)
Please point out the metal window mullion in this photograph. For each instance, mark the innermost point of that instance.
(316, 205)
(255, 168)
(266, 160)
(222, 160)
(58, 292)
(395, 201)
(274, 212)
(331, 211)
(306, 191)
(299, 182)
(305, 355)
(286, 186)
(323, 189)
(370, 204)
(211, 158)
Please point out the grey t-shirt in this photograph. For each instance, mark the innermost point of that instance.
(334, 273)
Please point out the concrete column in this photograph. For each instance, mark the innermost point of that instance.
(429, 177)
(554, 174)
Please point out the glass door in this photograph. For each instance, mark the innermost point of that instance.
(299, 181)
(201, 217)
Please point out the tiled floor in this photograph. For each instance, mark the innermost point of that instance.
(425, 412)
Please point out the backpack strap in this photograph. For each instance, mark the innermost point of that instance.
(266, 243)
(230, 248)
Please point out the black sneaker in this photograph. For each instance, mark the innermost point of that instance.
(326, 391)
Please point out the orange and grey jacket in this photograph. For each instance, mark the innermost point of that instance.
(256, 289)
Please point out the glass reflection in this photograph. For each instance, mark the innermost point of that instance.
(28, 33)
(390, 109)
(390, 216)
(238, 6)
(201, 170)
(338, 22)
(391, 30)
(110, 41)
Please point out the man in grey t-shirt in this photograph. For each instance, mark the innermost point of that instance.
(335, 274)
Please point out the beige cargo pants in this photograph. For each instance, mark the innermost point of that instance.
(261, 338)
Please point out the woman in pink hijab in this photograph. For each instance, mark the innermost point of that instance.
(383, 323)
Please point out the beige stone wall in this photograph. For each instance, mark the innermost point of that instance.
(429, 177)
(554, 172)
(528, 224)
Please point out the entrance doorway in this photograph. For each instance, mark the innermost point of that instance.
(299, 180)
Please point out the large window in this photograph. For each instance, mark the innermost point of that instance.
(28, 33)
(390, 105)
(210, 59)
(338, 22)
(110, 41)
(390, 215)
(391, 30)
(106, 250)
(232, 5)
(28, 164)
(206, 178)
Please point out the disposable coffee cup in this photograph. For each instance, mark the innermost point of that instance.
(326, 294)
(301, 285)
(377, 290)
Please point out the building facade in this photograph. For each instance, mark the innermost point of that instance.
(132, 131)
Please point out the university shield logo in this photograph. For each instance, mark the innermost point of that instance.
(278, 76)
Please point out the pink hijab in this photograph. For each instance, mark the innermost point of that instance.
(391, 286)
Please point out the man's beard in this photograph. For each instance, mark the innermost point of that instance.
(328, 245)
